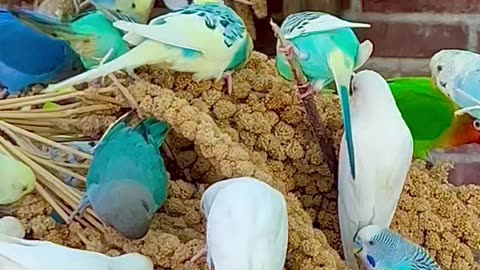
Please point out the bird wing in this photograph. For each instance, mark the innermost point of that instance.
(210, 29)
(306, 22)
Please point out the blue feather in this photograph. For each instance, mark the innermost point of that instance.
(347, 126)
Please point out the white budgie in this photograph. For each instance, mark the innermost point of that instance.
(247, 225)
(384, 147)
(381, 249)
(11, 226)
(20, 254)
(17, 179)
(206, 38)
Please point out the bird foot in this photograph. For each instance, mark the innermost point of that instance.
(198, 255)
(229, 81)
(308, 92)
(287, 50)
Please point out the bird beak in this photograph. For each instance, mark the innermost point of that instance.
(357, 250)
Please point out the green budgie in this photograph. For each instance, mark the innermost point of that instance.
(206, 38)
(17, 179)
(381, 249)
(430, 116)
(90, 34)
(326, 49)
(127, 180)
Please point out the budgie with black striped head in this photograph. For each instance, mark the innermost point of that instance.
(381, 249)
(206, 38)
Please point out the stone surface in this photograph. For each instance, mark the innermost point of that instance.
(435, 6)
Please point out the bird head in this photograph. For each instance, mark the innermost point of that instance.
(444, 66)
(132, 261)
(368, 245)
(136, 10)
(464, 129)
(126, 206)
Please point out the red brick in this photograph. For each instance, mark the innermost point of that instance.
(345, 4)
(435, 6)
(413, 40)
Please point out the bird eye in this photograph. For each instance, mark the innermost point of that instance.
(371, 243)
(133, 5)
(439, 68)
(476, 124)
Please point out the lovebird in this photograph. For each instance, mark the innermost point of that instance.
(429, 115)
(17, 179)
(130, 10)
(206, 38)
(247, 225)
(381, 249)
(326, 49)
(28, 57)
(127, 179)
(457, 74)
(20, 254)
(384, 148)
(89, 34)
(11, 226)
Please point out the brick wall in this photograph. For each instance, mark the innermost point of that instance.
(406, 33)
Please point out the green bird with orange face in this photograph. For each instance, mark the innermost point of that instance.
(430, 116)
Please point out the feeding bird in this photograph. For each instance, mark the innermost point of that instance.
(430, 116)
(17, 179)
(89, 34)
(380, 249)
(247, 225)
(206, 38)
(127, 180)
(28, 57)
(384, 148)
(20, 254)
(457, 74)
(326, 49)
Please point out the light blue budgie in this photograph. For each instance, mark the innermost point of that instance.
(327, 49)
(90, 34)
(28, 57)
(207, 39)
(127, 180)
(381, 249)
(457, 74)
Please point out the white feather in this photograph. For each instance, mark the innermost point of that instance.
(383, 150)
(11, 226)
(19, 254)
(322, 23)
(247, 225)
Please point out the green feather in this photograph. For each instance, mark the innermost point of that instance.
(426, 110)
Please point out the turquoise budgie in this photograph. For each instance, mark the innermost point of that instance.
(247, 225)
(326, 49)
(381, 249)
(207, 39)
(127, 180)
(90, 34)
(384, 149)
(457, 74)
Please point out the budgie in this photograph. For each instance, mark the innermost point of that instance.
(131, 10)
(429, 115)
(384, 148)
(127, 180)
(17, 179)
(20, 254)
(247, 225)
(11, 226)
(28, 57)
(207, 39)
(327, 49)
(90, 34)
(457, 74)
(381, 249)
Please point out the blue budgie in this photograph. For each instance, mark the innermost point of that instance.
(127, 179)
(327, 49)
(28, 57)
(90, 34)
(207, 39)
(457, 74)
(381, 249)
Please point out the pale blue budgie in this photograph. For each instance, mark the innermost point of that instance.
(247, 225)
(22, 254)
(384, 148)
(381, 249)
(457, 74)
(327, 49)
(207, 39)
(127, 180)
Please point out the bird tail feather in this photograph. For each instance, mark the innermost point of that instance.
(155, 130)
(342, 72)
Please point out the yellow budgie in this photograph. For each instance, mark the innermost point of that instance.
(206, 38)
(16, 180)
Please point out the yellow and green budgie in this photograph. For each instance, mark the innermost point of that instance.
(17, 179)
(206, 38)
